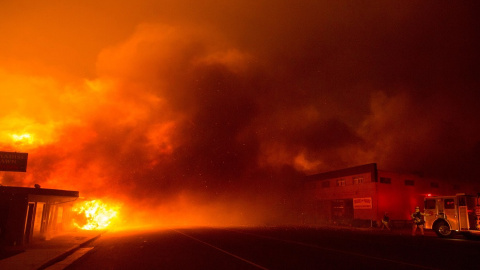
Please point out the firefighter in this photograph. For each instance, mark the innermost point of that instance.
(386, 221)
(418, 221)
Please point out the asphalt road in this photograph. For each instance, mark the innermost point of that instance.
(277, 248)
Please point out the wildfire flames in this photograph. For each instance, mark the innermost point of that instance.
(94, 215)
(193, 115)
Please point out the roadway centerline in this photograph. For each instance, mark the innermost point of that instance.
(222, 250)
(333, 250)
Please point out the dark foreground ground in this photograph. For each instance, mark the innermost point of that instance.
(277, 248)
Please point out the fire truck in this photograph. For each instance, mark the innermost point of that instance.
(448, 215)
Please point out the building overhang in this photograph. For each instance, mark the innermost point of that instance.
(39, 194)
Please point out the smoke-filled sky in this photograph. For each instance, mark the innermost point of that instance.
(213, 102)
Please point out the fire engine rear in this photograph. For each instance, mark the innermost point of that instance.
(448, 215)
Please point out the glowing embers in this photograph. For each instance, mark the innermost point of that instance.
(94, 215)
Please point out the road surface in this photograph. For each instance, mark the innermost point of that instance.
(277, 248)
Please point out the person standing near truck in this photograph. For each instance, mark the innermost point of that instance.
(386, 221)
(418, 221)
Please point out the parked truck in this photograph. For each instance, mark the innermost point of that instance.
(448, 215)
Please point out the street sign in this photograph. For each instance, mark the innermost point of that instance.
(13, 161)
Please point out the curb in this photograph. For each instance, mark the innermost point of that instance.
(67, 253)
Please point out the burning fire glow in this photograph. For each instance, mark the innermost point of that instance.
(25, 138)
(94, 215)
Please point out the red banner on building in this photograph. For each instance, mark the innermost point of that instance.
(13, 161)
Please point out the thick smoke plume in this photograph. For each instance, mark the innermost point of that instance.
(213, 117)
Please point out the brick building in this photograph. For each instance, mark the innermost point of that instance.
(361, 195)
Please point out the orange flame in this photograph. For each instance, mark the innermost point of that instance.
(94, 215)
(23, 137)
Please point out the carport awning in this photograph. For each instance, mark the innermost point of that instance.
(41, 194)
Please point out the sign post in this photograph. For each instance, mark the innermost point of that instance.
(13, 161)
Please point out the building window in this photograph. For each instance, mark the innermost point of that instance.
(341, 182)
(325, 184)
(385, 180)
(357, 180)
(434, 185)
(311, 185)
(409, 182)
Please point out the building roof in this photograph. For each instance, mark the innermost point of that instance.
(367, 168)
(37, 191)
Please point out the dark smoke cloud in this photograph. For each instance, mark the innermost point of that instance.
(234, 102)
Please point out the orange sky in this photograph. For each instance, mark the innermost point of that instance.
(209, 103)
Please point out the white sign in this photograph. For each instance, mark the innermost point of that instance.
(362, 203)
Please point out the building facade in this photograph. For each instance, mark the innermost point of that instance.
(30, 214)
(362, 195)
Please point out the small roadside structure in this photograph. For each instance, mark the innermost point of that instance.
(32, 214)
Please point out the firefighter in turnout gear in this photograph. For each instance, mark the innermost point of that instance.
(418, 221)
(386, 221)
